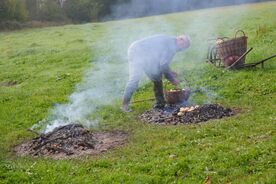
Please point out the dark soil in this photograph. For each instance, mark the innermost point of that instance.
(8, 83)
(201, 114)
(71, 141)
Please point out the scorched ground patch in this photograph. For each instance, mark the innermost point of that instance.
(71, 141)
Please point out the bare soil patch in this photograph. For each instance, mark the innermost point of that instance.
(8, 83)
(71, 141)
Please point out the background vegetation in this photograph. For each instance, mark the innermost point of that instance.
(13, 13)
(41, 67)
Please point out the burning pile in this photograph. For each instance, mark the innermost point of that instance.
(186, 115)
(71, 140)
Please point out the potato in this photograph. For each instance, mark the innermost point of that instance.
(219, 41)
(184, 109)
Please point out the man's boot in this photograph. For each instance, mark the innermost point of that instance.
(125, 104)
(130, 88)
(159, 95)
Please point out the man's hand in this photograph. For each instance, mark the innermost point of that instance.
(175, 82)
(174, 73)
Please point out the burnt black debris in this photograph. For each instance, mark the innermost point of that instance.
(71, 140)
(200, 114)
(64, 139)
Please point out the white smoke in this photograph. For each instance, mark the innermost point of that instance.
(103, 84)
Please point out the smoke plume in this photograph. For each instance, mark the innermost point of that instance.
(101, 85)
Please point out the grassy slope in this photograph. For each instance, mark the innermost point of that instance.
(241, 148)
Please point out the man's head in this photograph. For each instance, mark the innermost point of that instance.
(183, 42)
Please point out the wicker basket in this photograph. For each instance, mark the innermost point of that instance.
(177, 96)
(232, 48)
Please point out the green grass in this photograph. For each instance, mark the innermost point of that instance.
(47, 63)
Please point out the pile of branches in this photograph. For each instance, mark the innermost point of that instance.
(70, 141)
(200, 114)
(66, 139)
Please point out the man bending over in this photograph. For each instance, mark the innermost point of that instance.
(152, 56)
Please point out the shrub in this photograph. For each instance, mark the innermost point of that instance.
(13, 10)
(10, 25)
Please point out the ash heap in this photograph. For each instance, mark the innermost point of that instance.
(175, 114)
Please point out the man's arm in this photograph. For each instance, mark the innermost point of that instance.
(169, 74)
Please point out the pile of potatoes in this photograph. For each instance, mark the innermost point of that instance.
(183, 110)
(219, 41)
(176, 90)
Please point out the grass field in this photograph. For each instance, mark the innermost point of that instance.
(41, 67)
